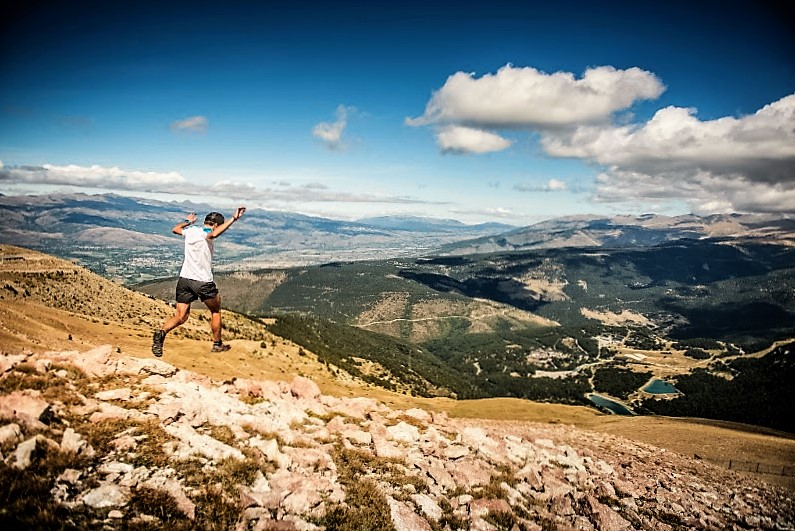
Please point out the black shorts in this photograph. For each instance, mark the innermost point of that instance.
(189, 290)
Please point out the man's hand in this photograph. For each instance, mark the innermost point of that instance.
(239, 213)
(190, 219)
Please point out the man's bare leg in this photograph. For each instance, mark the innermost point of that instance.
(181, 315)
(179, 318)
(214, 305)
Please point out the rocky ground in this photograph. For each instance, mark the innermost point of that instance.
(104, 441)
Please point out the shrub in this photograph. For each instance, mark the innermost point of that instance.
(697, 353)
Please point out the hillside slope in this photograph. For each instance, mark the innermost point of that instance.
(51, 304)
(44, 319)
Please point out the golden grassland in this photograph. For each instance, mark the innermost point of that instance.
(48, 304)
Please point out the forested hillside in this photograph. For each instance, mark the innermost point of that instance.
(547, 324)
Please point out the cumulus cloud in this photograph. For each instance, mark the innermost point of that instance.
(330, 133)
(114, 178)
(458, 139)
(192, 124)
(745, 163)
(526, 98)
(760, 146)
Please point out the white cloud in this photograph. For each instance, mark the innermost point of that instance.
(310, 193)
(731, 163)
(760, 146)
(489, 213)
(114, 178)
(526, 98)
(92, 177)
(315, 186)
(192, 124)
(553, 185)
(330, 133)
(744, 164)
(500, 212)
(703, 192)
(457, 139)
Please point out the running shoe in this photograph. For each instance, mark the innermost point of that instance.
(157, 343)
(221, 347)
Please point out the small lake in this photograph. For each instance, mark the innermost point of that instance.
(659, 387)
(611, 405)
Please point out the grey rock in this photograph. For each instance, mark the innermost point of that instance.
(122, 394)
(428, 506)
(107, 495)
(10, 433)
(405, 519)
(24, 453)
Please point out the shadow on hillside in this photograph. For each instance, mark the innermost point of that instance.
(499, 289)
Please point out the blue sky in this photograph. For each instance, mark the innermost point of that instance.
(483, 111)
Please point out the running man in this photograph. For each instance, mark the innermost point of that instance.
(196, 276)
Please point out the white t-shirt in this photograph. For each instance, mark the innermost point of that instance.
(198, 254)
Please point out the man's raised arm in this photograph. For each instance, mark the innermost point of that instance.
(190, 219)
(220, 229)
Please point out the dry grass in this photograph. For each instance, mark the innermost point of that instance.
(365, 506)
(25, 499)
(26, 496)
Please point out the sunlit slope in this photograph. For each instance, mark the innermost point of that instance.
(52, 304)
(371, 295)
(732, 291)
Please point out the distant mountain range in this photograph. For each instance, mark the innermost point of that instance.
(136, 232)
(626, 231)
(420, 224)
(129, 239)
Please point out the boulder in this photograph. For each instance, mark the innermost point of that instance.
(403, 433)
(73, 442)
(428, 506)
(95, 362)
(470, 472)
(10, 434)
(26, 406)
(483, 506)
(122, 394)
(604, 516)
(9, 361)
(304, 388)
(404, 518)
(23, 454)
(197, 443)
(107, 495)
